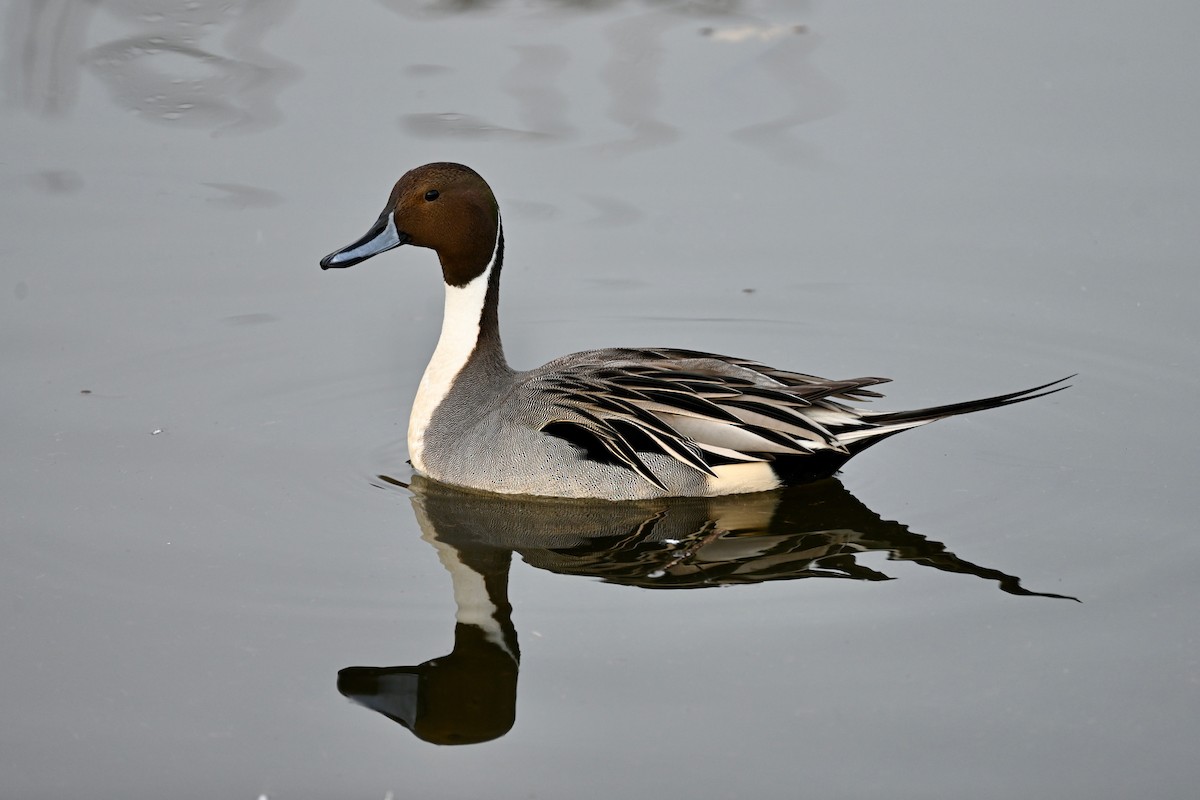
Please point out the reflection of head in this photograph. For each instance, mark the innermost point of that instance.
(470, 695)
(466, 697)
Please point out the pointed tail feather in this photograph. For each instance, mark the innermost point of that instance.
(954, 409)
(892, 422)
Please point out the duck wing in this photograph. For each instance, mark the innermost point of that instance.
(700, 409)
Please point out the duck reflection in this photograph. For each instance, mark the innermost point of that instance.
(816, 530)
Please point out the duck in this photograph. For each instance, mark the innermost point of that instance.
(620, 423)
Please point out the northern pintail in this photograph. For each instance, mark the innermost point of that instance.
(619, 423)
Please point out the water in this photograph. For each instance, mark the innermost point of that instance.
(200, 550)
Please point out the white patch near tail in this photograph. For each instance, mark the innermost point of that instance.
(741, 478)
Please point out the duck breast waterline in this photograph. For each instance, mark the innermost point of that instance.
(618, 423)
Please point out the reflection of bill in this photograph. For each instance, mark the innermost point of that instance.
(168, 69)
(812, 531)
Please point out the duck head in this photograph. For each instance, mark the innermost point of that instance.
(446, 207)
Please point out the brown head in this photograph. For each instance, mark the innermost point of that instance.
(446, 207)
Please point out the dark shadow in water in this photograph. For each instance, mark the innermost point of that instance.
(167, 70)
(43, 42)
(469, 696)
(540, 105)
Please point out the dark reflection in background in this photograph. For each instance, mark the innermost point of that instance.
(709, 7)
(202, 65)
(469, 696)
(198, 64)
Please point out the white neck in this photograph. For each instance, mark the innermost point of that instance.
(460, 333)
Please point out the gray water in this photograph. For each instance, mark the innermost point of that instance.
(205, 530)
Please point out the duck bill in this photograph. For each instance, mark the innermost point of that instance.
(382, 237)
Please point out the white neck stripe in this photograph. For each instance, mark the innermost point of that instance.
(460, 333)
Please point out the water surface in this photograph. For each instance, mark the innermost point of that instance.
(199, 550)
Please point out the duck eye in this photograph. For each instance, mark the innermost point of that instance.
(431, 195)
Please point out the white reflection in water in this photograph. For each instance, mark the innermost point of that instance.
(744, 33)
(237, 195)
